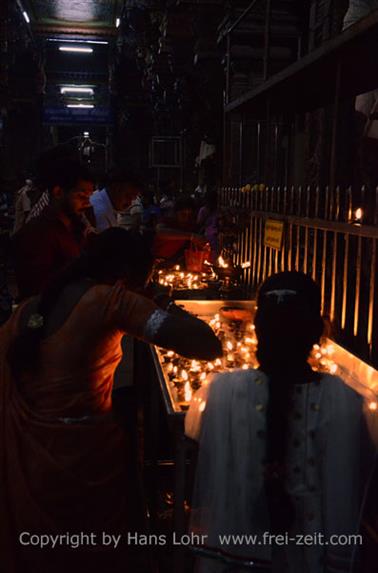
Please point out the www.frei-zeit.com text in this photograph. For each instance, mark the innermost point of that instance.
(77, 540)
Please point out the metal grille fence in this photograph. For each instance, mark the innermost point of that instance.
(324, 235)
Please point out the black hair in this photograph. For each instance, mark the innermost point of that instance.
(44, 167)
(66, 173)
(288, 323)
(112, 255)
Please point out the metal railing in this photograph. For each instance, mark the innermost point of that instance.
(325, 236)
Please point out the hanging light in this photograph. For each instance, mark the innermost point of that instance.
(76, 90)
(80, 106)
(76, 49)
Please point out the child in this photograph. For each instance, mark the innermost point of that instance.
(279, 446)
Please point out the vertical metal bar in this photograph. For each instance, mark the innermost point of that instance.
(317, 200)
(315, 247)
(299, 203)
(337, 207)
(372, 297)
(358, 287)
(336, 109)
(240, 229)
(350, 204)
(305, 261)
(334, 277)
(279, 199)
(270, 266)
(290, 249)
(331, 203)
(241, 129)
(283, 249)
(298, 233)
(345, 282)
(255, 251)
(251, 254)
(298, 247)
(326, 203)
(324, 269)
(291, 201)
(260, 249)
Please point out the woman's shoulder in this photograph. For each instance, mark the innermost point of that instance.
(335, 386)
(241, 381)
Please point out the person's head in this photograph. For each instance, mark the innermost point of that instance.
(123, 187)
(288, 321)
(117, 254)
(185, 211)
(70, 186)
(111, 256)
(44, 167)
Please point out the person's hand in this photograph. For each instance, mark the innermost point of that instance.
(241, 314)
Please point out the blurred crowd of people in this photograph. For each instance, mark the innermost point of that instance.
(62, 202)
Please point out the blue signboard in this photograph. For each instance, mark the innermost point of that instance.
(70, 116)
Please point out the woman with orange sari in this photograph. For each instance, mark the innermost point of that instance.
(65, 477)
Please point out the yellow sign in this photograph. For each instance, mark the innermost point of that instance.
(273, 233)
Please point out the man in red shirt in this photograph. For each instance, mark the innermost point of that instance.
(48, 243)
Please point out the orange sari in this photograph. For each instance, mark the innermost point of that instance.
(64, 460)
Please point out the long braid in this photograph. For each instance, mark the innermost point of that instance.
(288, 323)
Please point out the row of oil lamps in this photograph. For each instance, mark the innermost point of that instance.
(186, 376)
(180, 279)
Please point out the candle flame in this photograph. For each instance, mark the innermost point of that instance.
(359, 213)
(222, 263)
(188, 392)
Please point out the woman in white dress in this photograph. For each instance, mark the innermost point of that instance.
(279, 447)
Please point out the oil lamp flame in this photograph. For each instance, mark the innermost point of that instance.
(222, 263)
(188, 392)
(358, 214)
